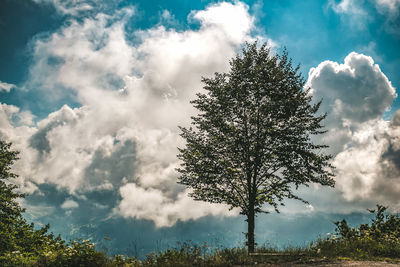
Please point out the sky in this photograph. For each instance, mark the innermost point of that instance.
(92, 93)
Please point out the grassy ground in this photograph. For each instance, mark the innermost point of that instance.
(321, 253)
(377, 242)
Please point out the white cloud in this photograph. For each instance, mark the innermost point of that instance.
(137, 202)
(352, 12)
(233, 20)
(6, 86)
(346, 6)
(355, 96)
(370, 169)
(167, 18)
(353, 93)
(124, 136)
(84, 57)
(359, 84)
(69, 204)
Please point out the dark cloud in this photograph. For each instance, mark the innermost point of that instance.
(39, 140)
(392, 153)
(112, 168)
(396, 118)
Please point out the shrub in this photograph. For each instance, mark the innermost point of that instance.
(381, 238)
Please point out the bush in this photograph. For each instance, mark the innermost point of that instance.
(381, 238)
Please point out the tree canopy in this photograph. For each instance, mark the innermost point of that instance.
(250, 144)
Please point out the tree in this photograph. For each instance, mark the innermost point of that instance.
(17, 237)
(10, 210)
(250, 143)
(23, 245)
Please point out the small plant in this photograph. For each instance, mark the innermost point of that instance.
(380, 239)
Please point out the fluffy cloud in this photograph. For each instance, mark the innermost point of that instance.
(69, 204)
(370, 170)
(366, 148)
(84, 57)
(11, 116)
(137, 202)
(124, 136)
(232, 19)
(353, 93)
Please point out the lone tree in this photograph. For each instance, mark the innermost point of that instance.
(250, 143)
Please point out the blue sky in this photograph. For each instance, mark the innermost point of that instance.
(92, 93)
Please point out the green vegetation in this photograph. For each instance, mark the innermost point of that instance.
(380, 239)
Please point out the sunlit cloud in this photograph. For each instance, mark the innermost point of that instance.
(124, 135)
(353, 93)
(115, 151)
(355, 96)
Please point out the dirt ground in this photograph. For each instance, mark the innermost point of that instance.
(352, 263)
(336, 264)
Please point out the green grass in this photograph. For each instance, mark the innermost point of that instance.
(322, 250)
(378, 241)
(83, 253)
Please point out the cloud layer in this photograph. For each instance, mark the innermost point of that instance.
(358, 13)
(124, 136)
(115, 152)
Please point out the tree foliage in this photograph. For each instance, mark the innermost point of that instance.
(250, 144)
(23, 245)
(10, 210)
(17, 237)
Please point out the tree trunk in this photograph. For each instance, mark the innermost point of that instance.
(250, 229)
